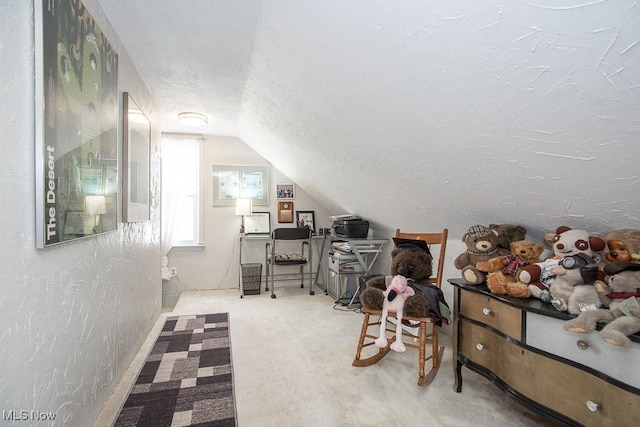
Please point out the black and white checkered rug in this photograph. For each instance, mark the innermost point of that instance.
(187, 379)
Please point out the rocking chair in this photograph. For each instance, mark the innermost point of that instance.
(427, 330)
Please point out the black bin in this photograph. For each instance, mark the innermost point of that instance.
(251, 278)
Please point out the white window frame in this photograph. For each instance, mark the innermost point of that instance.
(197, 218)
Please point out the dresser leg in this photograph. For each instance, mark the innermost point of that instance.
(457, 385)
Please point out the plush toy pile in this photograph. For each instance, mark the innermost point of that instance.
(566, 278)
(596, 278)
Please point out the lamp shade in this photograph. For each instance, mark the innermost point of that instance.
(244, 207)
(95, 205)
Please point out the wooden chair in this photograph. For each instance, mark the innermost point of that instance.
(427, 330)
(276, 255)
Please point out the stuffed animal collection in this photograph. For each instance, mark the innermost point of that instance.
(571, 279)
(596, 278)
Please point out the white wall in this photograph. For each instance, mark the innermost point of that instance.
(215, 266)
(73, 316)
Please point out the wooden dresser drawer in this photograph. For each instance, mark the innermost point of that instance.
(549, 382)
(491, 312)
(593, 351)
(483, 347)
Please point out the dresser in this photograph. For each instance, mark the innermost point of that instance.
(521, 346)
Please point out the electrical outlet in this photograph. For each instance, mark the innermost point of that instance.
(174, 271)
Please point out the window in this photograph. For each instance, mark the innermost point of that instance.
(180, 191)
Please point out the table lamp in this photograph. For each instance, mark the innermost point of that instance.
(243, 207)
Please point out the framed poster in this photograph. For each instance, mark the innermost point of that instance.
(136, 137)
(240, 182)
(76, 92)
(257, 223)
(285, 212)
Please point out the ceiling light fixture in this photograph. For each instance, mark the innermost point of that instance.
(192, 119)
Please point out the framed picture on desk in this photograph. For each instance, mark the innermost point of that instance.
(306, 219)
(257, 223)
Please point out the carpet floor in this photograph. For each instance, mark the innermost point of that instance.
(292, 366)
(187, 379)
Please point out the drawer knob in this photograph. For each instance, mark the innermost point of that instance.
(480, 346)
(593, 406)
(486, 311)
(582, 344)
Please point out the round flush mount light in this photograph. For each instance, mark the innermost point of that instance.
(192, 119)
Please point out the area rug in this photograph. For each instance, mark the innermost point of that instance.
(187, 380)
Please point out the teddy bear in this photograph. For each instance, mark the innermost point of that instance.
(415, 263)
(622, 245)
(409, 260)
(502, 271)
(482, 245)
(508, 233)
(616, 250)
(564, 242)
(573, 288)
(621, 299)
(394, 298)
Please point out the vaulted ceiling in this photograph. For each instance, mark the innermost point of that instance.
(414, 114)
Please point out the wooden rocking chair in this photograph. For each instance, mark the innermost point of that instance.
(427, 330)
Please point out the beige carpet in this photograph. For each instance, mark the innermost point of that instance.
(292, 367)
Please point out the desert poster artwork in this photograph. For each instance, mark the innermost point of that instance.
(76, 124)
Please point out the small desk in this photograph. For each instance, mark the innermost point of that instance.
(317, 240)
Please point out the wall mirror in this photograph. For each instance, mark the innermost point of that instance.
(137, 141)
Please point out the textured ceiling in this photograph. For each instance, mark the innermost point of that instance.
(193, 55)
(414, 114)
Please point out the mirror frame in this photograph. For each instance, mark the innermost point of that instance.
(136, 176)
